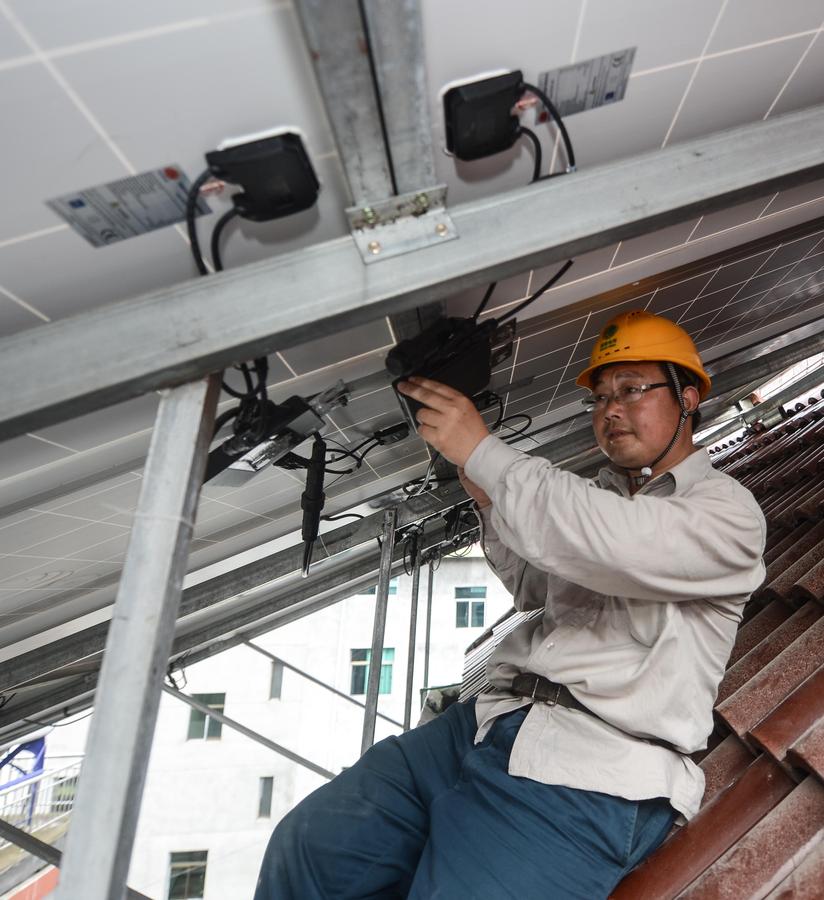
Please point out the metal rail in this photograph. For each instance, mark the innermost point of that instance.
(328, 687)
(248, 732)
(413, 633)
(96, 359)
(390, 518)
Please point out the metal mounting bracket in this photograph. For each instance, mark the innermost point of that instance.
(401, 224)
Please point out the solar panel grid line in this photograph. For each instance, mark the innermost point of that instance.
(515, 351)
(795, 69)
(698, 296)
(695, 71)
(566, 367)
(764, 262)
(791, 269)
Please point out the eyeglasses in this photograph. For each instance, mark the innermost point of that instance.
(625, 395)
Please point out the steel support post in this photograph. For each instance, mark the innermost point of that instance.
(426, 645)
(247, 732)
(104, 819)
(413, 633)
(44, 851)
(390, 518)
(317, 681)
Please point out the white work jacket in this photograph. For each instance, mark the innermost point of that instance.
(642, 596)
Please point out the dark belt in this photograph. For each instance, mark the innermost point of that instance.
(552, 693)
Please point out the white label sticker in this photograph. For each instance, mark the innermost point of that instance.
(130, 206)
(585, 85)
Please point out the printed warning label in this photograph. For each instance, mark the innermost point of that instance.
(585, 85)
(130, 206)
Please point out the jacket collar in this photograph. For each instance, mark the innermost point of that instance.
(679, 478)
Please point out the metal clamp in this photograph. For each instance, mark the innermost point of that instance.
(401, 224)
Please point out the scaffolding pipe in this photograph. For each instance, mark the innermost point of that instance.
(44, 851)
(247, 732)
(428, 623)
(413, 630)
(104, 819)
(390, 518)
(317, 681)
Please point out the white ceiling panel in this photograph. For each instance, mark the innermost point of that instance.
(750, 21)
(80, 277)
(655, 242)
(48, 146)
(196, 87)
(26, 452)
(70, 22)
(15, 313)
(11, 44)
(635, 125)
(805, 85)
(663, 32)
(738, 88)
(104, 426)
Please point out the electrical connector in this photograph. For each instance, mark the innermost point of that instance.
(392, 434)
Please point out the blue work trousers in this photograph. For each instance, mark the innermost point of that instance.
(429, 814)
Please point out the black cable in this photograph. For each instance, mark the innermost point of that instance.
(341, 516)
(570, 154)
(191, 205)
(517, 431)
(544, 287)
(222, 222)
(485, 300)
(225, 417)
(536, 168)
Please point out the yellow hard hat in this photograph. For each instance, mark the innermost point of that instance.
(640, 336)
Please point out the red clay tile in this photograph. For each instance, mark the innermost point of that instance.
(723, 765)
(810, 586)
(781, 587)
(767, 853)
(805, 882)
(716, 828)
(766, 689)
(757, 628)
(774, 643)
(787, 722)
(806, 537)
(808, 751)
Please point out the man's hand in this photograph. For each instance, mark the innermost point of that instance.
(478, 494)
(449, 421)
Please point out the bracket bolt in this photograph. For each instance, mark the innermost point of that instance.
(422, 201)
(369, 215)
(374, 247)
(441, 230)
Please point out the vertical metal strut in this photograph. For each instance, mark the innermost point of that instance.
(390, 518)
(428, 624)
(104, 820)
(413, 631)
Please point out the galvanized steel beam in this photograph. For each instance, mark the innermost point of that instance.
(104, 818)
(99, 358)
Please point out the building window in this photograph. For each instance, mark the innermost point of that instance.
(360, 671)
(469, 612)
(372, 591)
(276, 682)
(265, 798)
(201, 726)
(187, 875)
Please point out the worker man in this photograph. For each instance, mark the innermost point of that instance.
(573, 768)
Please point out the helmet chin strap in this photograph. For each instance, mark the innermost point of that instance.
(646, 471)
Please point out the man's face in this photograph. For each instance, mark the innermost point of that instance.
(633, 434)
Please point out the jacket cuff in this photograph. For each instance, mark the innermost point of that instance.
(488, 462)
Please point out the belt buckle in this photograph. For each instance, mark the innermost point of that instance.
(553, 701)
